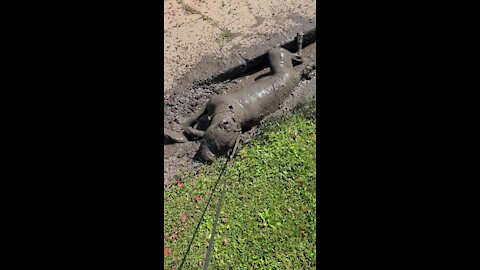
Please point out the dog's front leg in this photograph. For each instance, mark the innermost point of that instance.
(194, 132)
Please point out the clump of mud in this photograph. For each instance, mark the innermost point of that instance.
(182, 103)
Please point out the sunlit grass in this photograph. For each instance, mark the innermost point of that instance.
(268, 216)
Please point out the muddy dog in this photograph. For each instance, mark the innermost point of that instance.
(231, 113)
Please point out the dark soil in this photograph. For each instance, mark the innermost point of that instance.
(183, 102)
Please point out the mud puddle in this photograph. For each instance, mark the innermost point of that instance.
(178, 158)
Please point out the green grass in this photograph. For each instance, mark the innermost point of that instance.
(225, 34)
(267, 219)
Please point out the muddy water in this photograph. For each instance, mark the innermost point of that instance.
(178, 158)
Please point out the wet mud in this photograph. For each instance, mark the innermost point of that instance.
(239, 59)
(183, 103)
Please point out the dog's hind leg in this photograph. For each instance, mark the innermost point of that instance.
(298, 55)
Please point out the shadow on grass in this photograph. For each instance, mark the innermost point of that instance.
(203, 213)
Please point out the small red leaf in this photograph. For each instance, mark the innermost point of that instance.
(184, 218)
(174, 236)
(198, 198)
(166, 251)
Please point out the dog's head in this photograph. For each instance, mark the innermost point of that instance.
(220, 136)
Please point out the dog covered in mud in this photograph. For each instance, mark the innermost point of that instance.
(231, 113)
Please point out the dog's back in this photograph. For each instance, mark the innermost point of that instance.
(267, 94)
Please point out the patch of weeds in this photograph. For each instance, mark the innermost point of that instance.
(189, 9)
(192, 10)
(225, 34)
